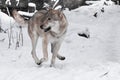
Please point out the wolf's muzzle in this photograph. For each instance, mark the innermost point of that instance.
(45, 29)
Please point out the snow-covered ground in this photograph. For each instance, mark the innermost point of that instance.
(94, 58)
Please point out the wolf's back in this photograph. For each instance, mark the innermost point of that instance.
(19, 19)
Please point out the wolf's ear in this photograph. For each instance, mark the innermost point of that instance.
(14, 13)
(60, 14)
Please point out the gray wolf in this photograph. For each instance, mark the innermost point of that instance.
(51, 26)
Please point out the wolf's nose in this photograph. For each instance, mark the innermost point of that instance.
(41, 26)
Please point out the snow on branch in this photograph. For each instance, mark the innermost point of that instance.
(56, 2)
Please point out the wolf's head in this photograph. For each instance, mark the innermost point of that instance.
(51, 20)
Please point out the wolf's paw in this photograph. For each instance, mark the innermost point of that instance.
(61, 58)
(52, 65)
(38, 63)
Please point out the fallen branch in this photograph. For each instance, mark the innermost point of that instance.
(105, 74)
(2, 40)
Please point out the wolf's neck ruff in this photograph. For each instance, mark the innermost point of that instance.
(55, 35)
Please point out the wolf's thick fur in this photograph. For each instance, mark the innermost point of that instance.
(51, 25)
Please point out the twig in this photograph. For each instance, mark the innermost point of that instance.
(10, 34)
(105, 74)
(2, 40)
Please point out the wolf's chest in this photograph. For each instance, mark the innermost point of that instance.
(56, 27)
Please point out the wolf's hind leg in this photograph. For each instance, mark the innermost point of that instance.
(54, 49)
(58, 55)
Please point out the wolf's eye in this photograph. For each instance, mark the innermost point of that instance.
(49, 18)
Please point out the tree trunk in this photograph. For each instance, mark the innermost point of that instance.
(39, 3)
(72, 4)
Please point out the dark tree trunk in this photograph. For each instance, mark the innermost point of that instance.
(13, 3)
(23, 5)
(117, 2)
(2, 3)
(39, 3)
(72, 4)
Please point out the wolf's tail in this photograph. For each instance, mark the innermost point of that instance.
(19, 19)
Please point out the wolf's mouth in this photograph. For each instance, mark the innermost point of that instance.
(47, 29)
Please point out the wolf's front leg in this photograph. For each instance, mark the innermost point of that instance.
(45, 50)
(33, 52)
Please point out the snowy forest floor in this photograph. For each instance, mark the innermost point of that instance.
(94, 58)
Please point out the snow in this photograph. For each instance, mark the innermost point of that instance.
(58, 7)
(5, 21)
(31, 4)
(8, 2)
(56, 2)
(26, 13)
(94, 58)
